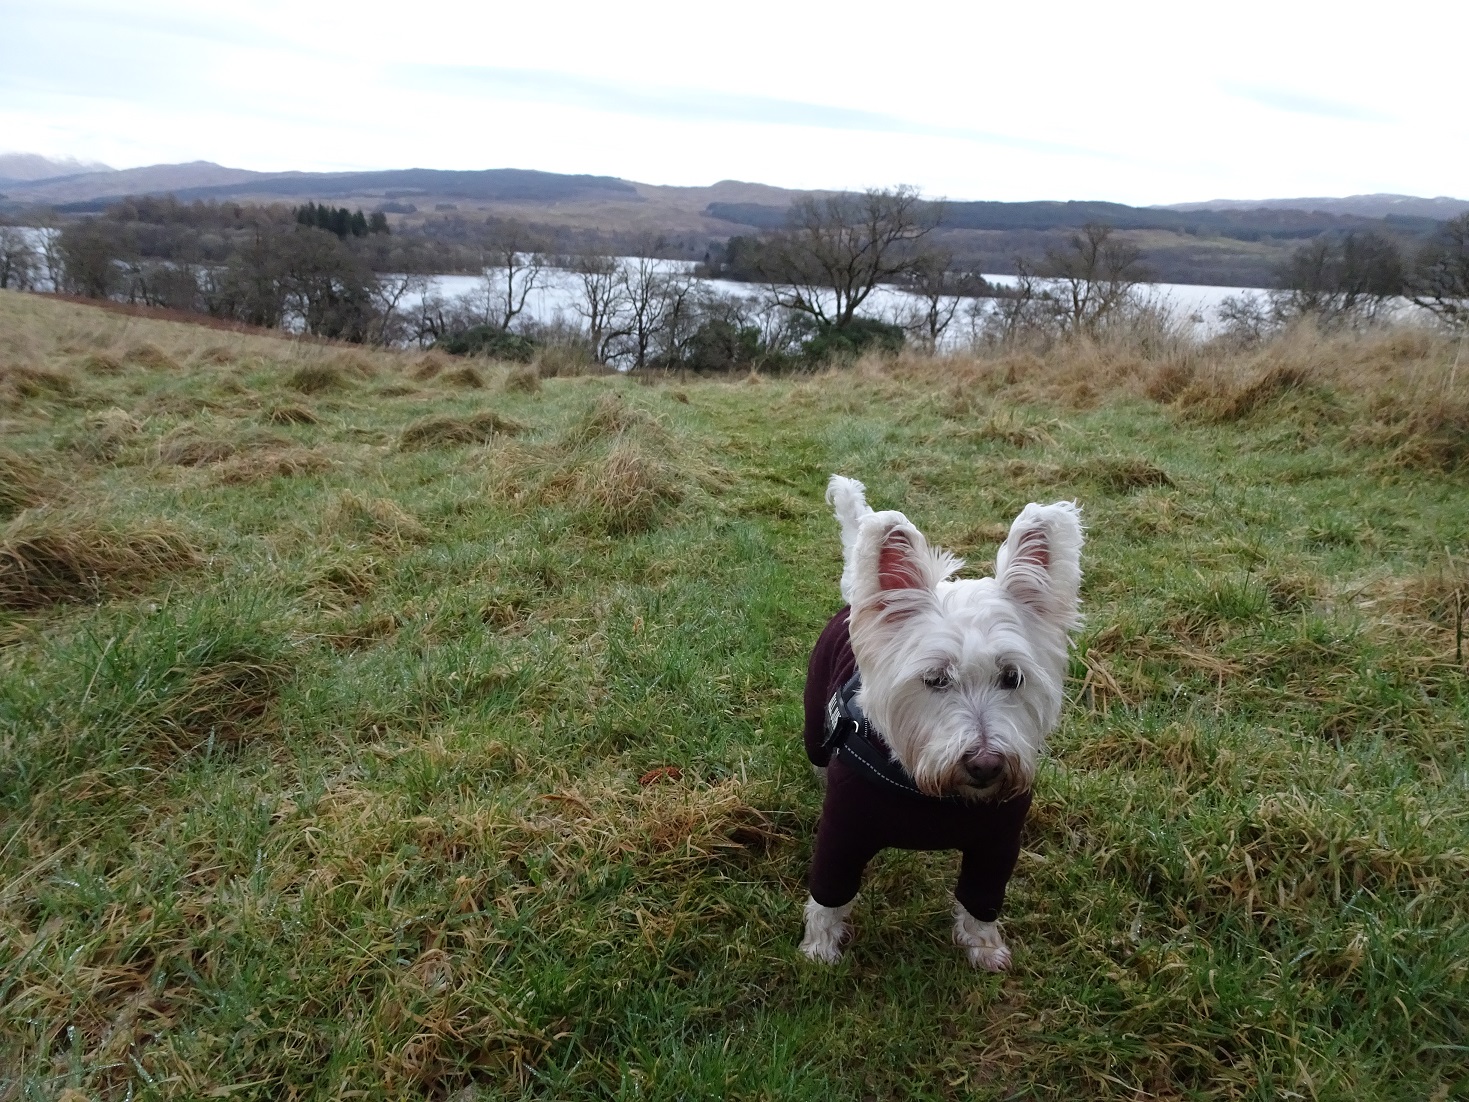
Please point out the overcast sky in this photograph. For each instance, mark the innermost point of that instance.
(1130, 101)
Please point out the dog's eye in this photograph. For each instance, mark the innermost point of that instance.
(938, 680)
(1011, 679)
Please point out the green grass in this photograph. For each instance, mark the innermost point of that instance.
(346, 801)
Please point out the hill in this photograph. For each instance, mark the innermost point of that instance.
(1364, 206)
(26, 167)
(1227, 243)
(385, 726)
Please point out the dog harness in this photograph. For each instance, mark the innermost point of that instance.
(872, 803)
(849, 734)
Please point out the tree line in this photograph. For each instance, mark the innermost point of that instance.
(337, 273)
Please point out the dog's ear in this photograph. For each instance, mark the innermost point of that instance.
(893, 566)
(1039, 565)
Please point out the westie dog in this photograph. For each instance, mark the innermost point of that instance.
(928, 701)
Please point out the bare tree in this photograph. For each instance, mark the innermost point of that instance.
(1440, 280)
(1348, 282)
(514, 265)
(835, 250)
(18, 260)
(1246, 318)
(387, 296)
(936, 293)
(685, 305)
(603, 303)
(1093, 278)
(1025, 308)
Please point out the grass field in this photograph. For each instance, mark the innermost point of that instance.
(376, 726)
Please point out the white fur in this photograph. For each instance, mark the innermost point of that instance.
(982, 941)
(826, 929)
(910, 621)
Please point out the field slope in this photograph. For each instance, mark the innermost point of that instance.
(378, 726)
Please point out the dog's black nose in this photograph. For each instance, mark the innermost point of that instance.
(985, 767)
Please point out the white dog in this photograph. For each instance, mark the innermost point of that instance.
(928, 702)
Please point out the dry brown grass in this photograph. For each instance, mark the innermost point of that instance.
(430, 364)
(317, 378)
(290, 414)
(150, 356)
(24, 483)
(20, 382)
(466, 377)
(187, 446)
(48, 556)
(610, 416)
(442, 432)
(356, 516)
(1422, 435)
(105, 436)
(627, 489)
(101, 363)
(523, 379)
(265, 463)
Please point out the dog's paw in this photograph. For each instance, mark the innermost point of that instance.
(981, 940)
(826, 929)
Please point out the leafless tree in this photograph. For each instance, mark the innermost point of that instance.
(836, 249)
(685, 305)
(18, 259)
(1246, 318)
(1440, 280)
(603, 303)
(389, 294)
(1093, 278)
(1028, 308)
(644, 305)
(515, 264)
(936, 293)
(1349, 282)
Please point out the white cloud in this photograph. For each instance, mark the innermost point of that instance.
(1138, 102)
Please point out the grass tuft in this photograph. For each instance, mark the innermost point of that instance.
(523, 379)
(24, 483)
(317, 378)
(1224, 400)
(466, 377)
(290, 414)
(48, 556)
(625, 491)
(449, 431)
(102, 363)
(151, 357)
(610, 416)
(356, 516)
(106, 435)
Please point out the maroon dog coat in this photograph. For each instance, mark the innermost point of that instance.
(863, 814)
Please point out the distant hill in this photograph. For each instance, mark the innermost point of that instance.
(23, 167)
(1225, 242)
(1241, 224)
(206, 180)
(1365, 206)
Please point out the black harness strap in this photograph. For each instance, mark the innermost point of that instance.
(849, 733)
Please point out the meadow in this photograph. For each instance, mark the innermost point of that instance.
(379, 725)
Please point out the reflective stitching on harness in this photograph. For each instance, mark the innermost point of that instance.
(846, 725)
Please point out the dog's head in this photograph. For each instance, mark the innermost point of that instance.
(963, 678)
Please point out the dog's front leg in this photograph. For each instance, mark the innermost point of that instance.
(826, 929)
(982, 940)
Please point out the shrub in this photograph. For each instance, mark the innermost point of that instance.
(832, 344)
(487, 340)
